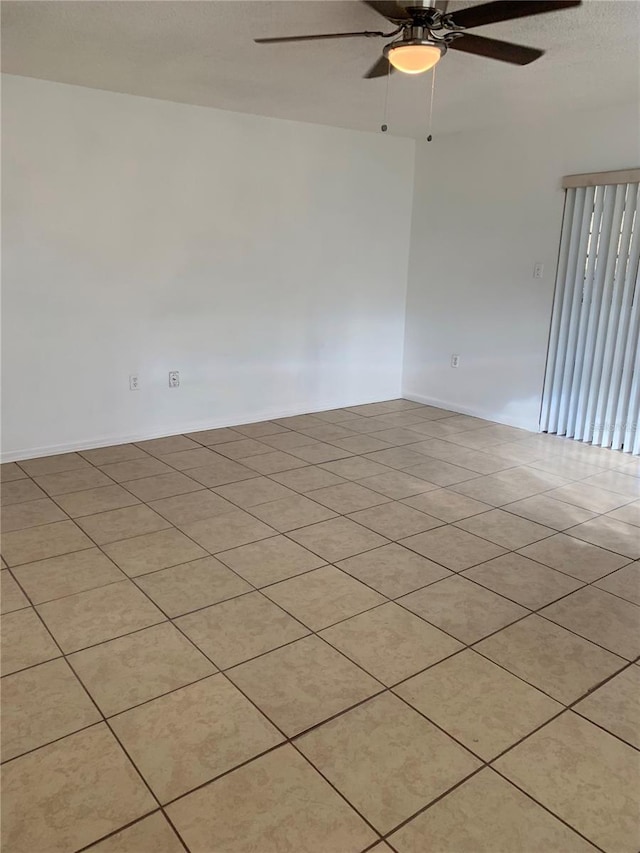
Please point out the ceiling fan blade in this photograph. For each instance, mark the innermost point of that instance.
(505, 51)
(281, 39)
(388, 9)
(380, 69)
(507, 10)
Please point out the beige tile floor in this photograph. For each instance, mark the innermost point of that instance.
(386, 627)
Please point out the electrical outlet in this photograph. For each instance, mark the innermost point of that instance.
(538, 270)
(134, 382)
(174, 379)
(455, 361)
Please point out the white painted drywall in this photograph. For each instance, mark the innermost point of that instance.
(488, 206)
(265, 260)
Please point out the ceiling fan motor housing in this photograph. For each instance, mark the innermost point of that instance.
(426, 32)
(415, 42)
(417, 34)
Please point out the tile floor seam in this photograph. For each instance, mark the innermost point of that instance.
(341, 516)
(33, 607)
(433, 802)
(256, 706)
(513, 600)
(603, 515)
(131, 506)
(520, 547)
(626, 665)
(73, 551)
(316, 554)
(582, 481)
(103, 719)
(184, 435)
(455, 523)
(516, 465)
(614, 594)
(563, 532)
(329, 782)
(121, 829)
(269, 476)
(486, 764)
(339, 621)
(204, 607)
(390, 688)
(462, 782)
(255, 657)
(602, 728)
(61, 597)
(227, 772)
(460, 574)
(160, 695)
(370, 848)
(547, 809)
(471, 647)
(173, 527)
(195, 609)
(107, 717)
(6, 761)
(505, 507)
(167, 617)
(588, 583)
(287, 739)
(422, 439)
(540, 689)
(167, 817)
(582, 637)
(291, 529)
(161, 805)
(299, 734)
(263, 654)
(255, 589)
(113, 734)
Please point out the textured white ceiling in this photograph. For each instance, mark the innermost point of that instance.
(202, 53)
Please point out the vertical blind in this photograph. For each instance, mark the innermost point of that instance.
(592, 381)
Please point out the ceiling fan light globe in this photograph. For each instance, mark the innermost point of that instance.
(414, 58)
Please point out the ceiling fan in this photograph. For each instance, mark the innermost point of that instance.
(426, 32)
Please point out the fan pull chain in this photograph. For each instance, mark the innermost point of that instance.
(433, 88)
(384, 126)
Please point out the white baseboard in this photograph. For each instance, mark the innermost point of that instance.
(193, 426)
(474, 411)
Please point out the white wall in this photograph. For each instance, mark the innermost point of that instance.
(265, 260)
(487, 207)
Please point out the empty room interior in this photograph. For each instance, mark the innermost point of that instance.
(320, 448)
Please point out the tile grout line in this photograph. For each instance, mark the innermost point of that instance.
(114, 734)
(105, 720)
(256, 589)
(315, 634)
(99, 711)
(466, 646)
(454, 523)
(260, 711)
(126, 826)
(344, 711)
